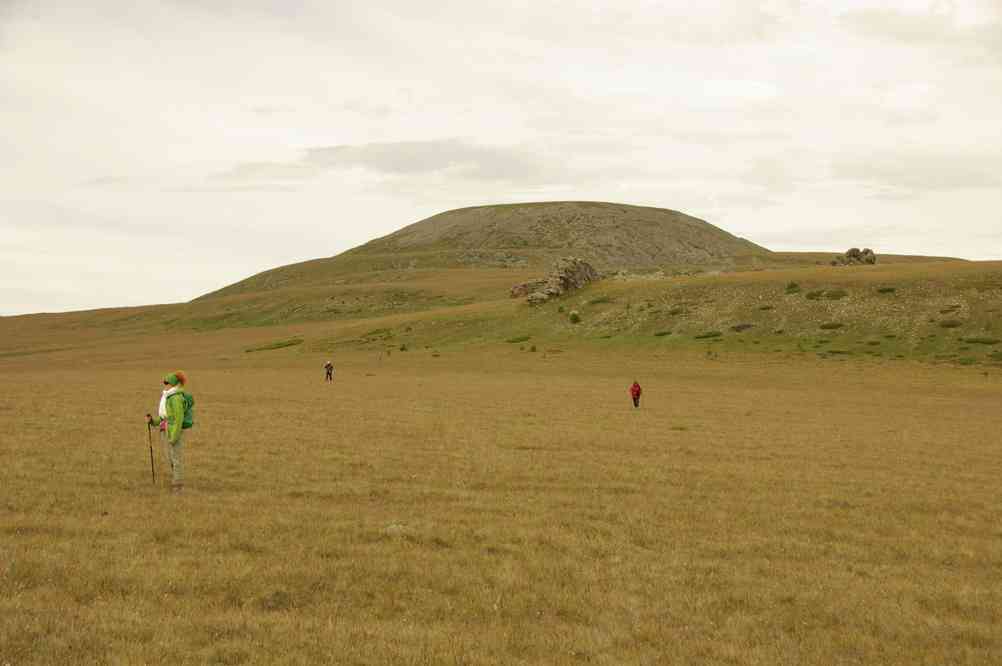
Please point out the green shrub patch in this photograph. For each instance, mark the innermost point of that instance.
(980, 340)
(276, 345)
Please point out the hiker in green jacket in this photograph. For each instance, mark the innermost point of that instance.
(171, 425)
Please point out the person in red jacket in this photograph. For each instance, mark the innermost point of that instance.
(635, 392)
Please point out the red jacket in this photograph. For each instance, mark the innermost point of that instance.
(635, 390)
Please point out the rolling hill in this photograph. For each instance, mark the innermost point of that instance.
(526, 236)
(674, 281)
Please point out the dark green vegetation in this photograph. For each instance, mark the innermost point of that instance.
(279, 344)
(980, 340)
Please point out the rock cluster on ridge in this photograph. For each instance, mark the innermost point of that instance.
(855, 257)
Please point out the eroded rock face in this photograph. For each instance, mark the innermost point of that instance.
(569, 273)
(526, 288)
(855, 257)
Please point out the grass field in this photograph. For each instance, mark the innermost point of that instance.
(481, 504)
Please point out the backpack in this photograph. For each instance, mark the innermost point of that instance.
(189, 410)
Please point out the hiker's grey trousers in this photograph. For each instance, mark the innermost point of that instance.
(175, 458)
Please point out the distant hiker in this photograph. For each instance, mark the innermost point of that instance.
(175, 416)
(329, 368)
(635, 392)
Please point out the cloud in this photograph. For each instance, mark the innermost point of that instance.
(458, 158)
(268, 171)
(914, 28)
(942, 25)
(271, 109)
(475, 161)
(909, 173)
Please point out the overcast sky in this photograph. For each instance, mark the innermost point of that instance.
(154, 151)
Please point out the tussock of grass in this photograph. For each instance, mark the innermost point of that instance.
(886, 290)
(738, 328)
(378, 333)
(951, 323)
(831, 326)
(814, 295)
(601, 300)
(765, 308)
(836, 294)
(980, 340)
(677, 310)
(708, 335)
(280, 344)
(792, 288)
(661, 334)
(517, 339)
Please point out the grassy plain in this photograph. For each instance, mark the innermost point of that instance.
(477, 503)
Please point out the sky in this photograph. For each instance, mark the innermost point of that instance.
(152, 151)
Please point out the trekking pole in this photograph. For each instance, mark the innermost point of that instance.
(149, 436)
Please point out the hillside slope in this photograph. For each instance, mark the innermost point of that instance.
(607, 234)
(525, 236)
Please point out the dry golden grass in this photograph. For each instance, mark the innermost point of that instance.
(495, 507)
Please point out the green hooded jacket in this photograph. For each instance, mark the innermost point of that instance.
(175, 416)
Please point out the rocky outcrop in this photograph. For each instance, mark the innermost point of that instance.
(568, 274)
(855, 257)
(526, 288)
